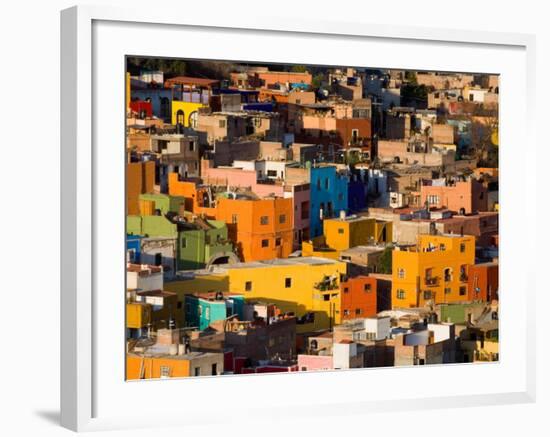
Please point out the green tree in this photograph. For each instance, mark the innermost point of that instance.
(298, 69)
(410, 76)
(317, 80)
(385, 261)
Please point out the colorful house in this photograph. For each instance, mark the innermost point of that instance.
(307, 287)
(189, 95)
(133, 248)
(199, 242)
(261, 229)
(463, 197)
(346, 232)
(358, 296)
(483, 281)
(329, 196)
(155, 203)
(160, 363)
(434, 271)
(203, 309)
(140, 179)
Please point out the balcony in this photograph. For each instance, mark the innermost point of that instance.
(432, 281)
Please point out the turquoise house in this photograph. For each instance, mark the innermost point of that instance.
(202, 310)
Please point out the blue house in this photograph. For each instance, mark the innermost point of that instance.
(329, 196)
(201, 310)
(357, 194)
(133, 248)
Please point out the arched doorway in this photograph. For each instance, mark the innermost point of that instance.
(194, 119)
(180, 117)
(223, 258)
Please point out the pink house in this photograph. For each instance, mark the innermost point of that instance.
(315, 362)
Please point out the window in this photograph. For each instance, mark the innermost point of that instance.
(277, 241)
(158, 259)
(346, 312)
(463, 273)
(282, 218)
(197, 371)
(448, 274)
(462, 290)
(183, 242)
(272, 173)
(433, 199)
(222, 124)
(214, 368)
(164, 372)
(462, 247)
(305, 210)
(207, 313)
(265, 243)
(340, 230)
(264, 220)
(357, 311)
(346, 290)
(400, 294)
(234, 219)
(191, 146)
(442, 247)
(354, 135)
(427, 295)
(367, 288)
(401, 273)
(447, 290)
(194, 119)
(327, 184)
(319, 183)
(288, 282)
(248, 286)
(326, 297)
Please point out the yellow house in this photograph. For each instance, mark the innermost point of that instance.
(186, 113)
(343, 233)
(138, 315)
(309, 287)
(346, 232)
(434, 271)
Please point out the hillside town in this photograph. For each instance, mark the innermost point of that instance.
(290, 218)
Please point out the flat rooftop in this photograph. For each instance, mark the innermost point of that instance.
(363, 249)
(311, 261)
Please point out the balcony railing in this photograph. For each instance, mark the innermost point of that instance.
(432, 281)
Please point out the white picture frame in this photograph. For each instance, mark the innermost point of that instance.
(89, 398)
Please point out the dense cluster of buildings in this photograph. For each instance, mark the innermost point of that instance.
(297, 220)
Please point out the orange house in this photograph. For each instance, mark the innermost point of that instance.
(138, 367)
(262, 229)
(483, 282)
(140, 179)
(196, 196)
(358, 296)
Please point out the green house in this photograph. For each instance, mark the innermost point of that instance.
(200, 242)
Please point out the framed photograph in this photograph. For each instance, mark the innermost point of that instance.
(282, 209)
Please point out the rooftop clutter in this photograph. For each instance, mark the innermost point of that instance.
(309, 218)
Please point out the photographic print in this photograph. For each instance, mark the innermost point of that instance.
(291, 218)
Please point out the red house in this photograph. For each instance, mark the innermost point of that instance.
(142, 108)
(358, 296)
